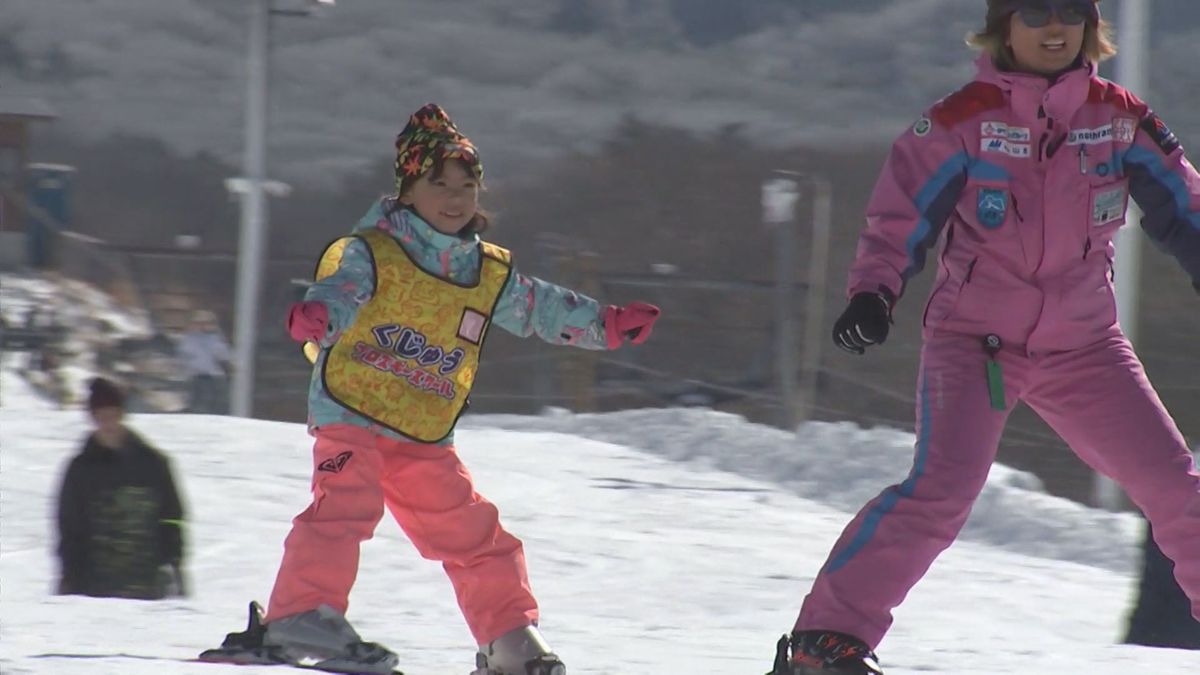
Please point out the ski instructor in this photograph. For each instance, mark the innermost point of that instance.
(1024, 176)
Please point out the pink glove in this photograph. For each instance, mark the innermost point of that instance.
(306, 321)
(633, 321)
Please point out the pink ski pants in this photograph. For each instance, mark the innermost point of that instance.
(431, 496)
(1096, 398)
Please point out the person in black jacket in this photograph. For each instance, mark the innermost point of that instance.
(119, 514)
(1162, 615)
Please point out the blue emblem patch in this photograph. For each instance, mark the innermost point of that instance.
(992, 207)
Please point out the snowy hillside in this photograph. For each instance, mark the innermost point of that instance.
(88, 326)
(658, 542)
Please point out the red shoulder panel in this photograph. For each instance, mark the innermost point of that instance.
(1110, 93)
(971, 100)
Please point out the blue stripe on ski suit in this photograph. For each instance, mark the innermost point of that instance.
(1166, 204)
(527, 305)
(893, 495)
(937, 199)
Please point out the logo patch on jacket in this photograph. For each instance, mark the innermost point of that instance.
(1018, 150)
(335, 464)
(1158, 132)
(1108, 206)
(1095, 136)
(1123, 129)
(1002, 130)
(992, 207)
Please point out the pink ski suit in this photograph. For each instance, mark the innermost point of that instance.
(1029, 179)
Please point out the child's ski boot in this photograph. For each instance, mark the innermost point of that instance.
(519, 652)
(247, 646)
(320, 639)
(820, 652)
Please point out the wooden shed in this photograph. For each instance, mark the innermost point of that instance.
(17, 117)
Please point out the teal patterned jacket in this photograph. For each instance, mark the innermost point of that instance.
(527, 306)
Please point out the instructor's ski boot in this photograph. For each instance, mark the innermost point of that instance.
(320, 639)
(820, 652)
(518, 652)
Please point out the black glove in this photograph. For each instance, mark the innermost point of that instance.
(865, 322)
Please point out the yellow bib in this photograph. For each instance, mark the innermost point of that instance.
(409, 359)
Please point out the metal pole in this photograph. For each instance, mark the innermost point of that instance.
(1131, 74)
(550, 251)
(1132, 64)
(814, 318)
(254, 216)
(779, 196)
(785, 319)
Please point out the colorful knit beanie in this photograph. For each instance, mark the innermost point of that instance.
(429, 137)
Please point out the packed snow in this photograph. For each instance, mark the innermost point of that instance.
(659, 541)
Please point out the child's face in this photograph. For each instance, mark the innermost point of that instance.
(447, 202)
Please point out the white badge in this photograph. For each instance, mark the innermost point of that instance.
(1109, 206)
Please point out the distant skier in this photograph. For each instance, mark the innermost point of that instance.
(205, 357)
(400, 310)
(119, 513)
(1028, 170)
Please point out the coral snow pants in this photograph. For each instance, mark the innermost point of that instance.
(430, 493)
(1096, 398)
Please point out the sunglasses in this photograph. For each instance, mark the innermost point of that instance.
(1037, 13)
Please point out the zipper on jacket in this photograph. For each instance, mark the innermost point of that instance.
(1083, 160)
(1042, 141)
(1087, 247)
(1055, 144)
(1017, 208)
(1042, 147)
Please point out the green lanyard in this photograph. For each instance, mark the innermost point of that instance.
(995, 374)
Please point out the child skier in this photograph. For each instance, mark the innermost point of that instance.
(395, 322)
(1028, 169)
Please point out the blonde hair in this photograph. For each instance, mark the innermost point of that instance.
(1098, 42)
